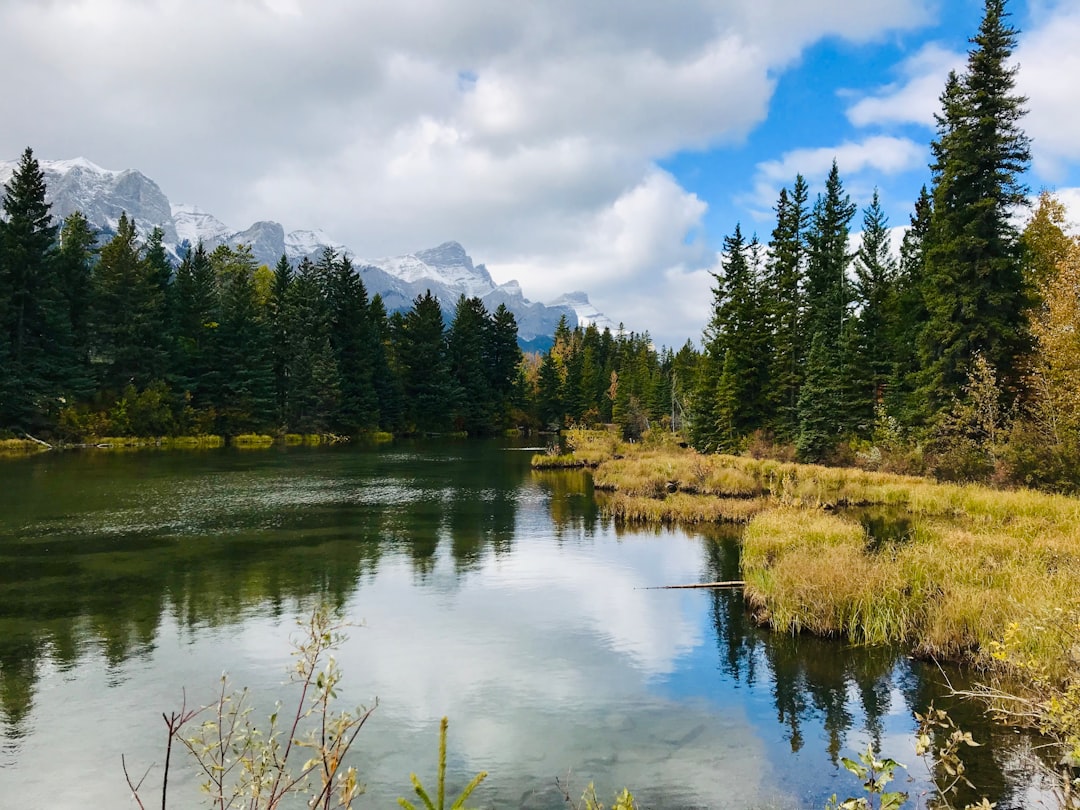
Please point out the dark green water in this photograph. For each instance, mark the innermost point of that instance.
(489, 592)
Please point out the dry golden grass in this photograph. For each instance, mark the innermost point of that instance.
(952, 590)
(979, 564)
(19, 447)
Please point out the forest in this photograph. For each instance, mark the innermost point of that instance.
(955, 353)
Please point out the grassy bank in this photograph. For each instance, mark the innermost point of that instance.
(977, 575)
(20, 447)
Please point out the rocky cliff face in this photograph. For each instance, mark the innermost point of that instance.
(447, 270)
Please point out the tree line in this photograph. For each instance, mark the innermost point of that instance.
(104, 336)
(956, 357)
(114, 340)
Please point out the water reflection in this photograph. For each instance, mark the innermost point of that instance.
(491, 592)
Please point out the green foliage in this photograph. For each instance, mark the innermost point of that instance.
(970, 438)
(876, 775)
(973, 284)
(422, 361)
(246, 766)
(440, 793)
(624, 800)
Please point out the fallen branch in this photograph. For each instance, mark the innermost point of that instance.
(39, 441)
(734, 583)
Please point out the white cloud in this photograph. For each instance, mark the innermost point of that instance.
(861, 164)
(914, 99)
(1049, 62)
(530, 132)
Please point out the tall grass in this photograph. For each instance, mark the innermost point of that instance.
(985, 576)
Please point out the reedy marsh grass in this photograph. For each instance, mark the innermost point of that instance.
(984, 576)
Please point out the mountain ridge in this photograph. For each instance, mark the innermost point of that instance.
(446, 269)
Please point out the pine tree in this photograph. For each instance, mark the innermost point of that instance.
(467, 351)
(783, 305)
(911, 314)
(420, 350)
(875, 276)
(973, 285)
(350, 338)
(827, 314)
(127, 313)
(37, 350)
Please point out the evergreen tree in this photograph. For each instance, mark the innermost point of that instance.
(783, 305)
(973, 284)
(246, 397)
(468, 353)
(729, 401)
(503, 356)
(281, 348)
(194, 327)
(351, 341)
(127, 309)
(38, 354)
(875, 276)
(387, 383)
(78, 255)
(910, 309)
(827, 312)
(420, 349)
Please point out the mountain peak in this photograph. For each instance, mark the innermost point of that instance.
(448, 254)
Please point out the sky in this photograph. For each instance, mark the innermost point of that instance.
(597, 145)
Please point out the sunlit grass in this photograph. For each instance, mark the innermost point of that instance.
(979, 565)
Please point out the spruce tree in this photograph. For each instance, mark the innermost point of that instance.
(503, 356)
(910, 314)
(783, 305)
(347, 304)
(194, 315)
(127, 313)
(246, 396)
(38, 353)
(420, 349)
(973, 284)
(467, 350)
(828, 294)
(875, 276)
(78, 255)
(729, 402)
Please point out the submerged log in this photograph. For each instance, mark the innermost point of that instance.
(734, 583)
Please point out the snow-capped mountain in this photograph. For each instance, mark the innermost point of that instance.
(102, 195)
(587, 314)
(447, 270)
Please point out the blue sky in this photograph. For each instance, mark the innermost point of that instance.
(597, 145)
(809, 110)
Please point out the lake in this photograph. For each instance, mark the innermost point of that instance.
(481, 590)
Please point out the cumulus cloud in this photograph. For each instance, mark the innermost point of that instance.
(861, 164)
(914, 99)
(529, 132)
(1047, 55)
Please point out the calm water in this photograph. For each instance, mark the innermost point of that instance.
(488, 592)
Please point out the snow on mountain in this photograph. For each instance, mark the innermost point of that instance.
(102, 194)
(299, 244)
(193, 224)
(447, 265)
(587, 314)
(447, 271)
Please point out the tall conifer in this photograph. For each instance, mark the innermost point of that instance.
(973, 284)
